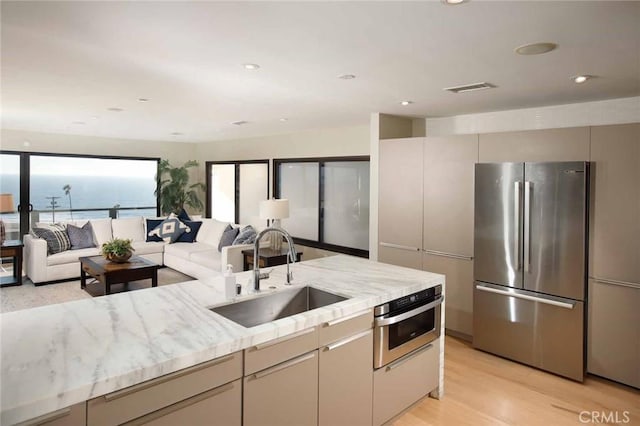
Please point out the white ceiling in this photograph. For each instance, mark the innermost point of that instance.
(64, 62)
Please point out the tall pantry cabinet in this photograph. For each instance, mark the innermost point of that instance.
(613, 342)
(426, 214)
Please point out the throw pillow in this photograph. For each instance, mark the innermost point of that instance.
(247, 235)
(190, 236)
(183, 216)
(170, 229)
(228, 236)
(80, 237)
(151, 225)
(56, 237)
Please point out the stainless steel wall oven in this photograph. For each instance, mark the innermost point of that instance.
(405, 324)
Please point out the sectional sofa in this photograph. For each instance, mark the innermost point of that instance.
(199, 259)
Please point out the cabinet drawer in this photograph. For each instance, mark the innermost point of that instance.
(343, 327)
(275, 351)
(404, 381)
(136, 401)
(70, 416)
(221, 406)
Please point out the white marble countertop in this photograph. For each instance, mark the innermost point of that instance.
(58, 355)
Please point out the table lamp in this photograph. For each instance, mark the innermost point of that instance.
(274, 210)
(6, 206)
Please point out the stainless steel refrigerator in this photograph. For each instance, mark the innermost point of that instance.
(530, 265)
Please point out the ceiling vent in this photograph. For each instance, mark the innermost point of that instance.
(470, 87)
(239, 123)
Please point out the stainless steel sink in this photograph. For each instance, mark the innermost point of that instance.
(282, 304)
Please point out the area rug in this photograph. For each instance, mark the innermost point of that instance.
(30, 296)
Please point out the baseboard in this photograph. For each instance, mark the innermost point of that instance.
(458, 335)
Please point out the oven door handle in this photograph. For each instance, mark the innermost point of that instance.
(388, 320)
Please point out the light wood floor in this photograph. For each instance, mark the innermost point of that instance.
(482, 389)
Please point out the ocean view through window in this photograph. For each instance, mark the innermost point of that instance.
(71, 187)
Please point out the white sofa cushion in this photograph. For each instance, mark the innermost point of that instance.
(142, 247)
(101, 230)
(209, 259)
(184, 250)
(70, 256)
(130, 227)
(211, 231)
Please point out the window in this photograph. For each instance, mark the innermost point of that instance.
(235, 189)
(328, 202)
(65, 187)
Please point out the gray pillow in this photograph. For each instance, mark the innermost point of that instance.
(247, 235)
(228, 236)
(80, 237)
(56, 237)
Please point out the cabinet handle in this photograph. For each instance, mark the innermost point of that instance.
(180, 405)
(451, 255)
(344, 341)
(401, 361)
(616, 282)
(400, 246)
(165, 378)
(343, 319)
(47, 417)
(388, 320)
(284, 365)
(282, 339)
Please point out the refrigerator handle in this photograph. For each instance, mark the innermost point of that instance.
(516, 223)
(527, 226)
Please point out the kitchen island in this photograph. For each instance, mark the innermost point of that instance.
(55, 356)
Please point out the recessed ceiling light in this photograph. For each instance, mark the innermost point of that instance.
(251, 66)
(283, 119)
(239, 122)
(346, 77)
(143, 99)
(176, 134)
(405, 103)
(535, 48)
(581, 78)
(470, 87)
(453, 2)
(115, 109)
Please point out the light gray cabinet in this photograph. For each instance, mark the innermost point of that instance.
(405, 381)
(566, 144)
(613, 343)
(284, 394)
(75, 415)
(615, 213)
(183, 387)
(346, 376)
(400, 202)
(614, 332)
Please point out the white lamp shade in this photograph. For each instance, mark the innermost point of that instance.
(7, 205)
(274, 209)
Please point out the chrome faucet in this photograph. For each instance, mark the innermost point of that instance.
(292, 254)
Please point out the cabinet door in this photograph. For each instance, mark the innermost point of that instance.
(448, 193)
(615, 216)
(404, 381)
(218, 407)
(400, 199)
(346, 381)
(613, 345)
(458, 290)
(285, 394)
(568, 144)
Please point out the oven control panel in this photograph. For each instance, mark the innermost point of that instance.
(421, 297)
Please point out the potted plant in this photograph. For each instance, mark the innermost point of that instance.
(174, 190)
(118, 250)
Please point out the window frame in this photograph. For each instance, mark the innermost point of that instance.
(236, 182)
(277, 162)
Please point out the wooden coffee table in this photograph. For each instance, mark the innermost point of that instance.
(109, 273)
